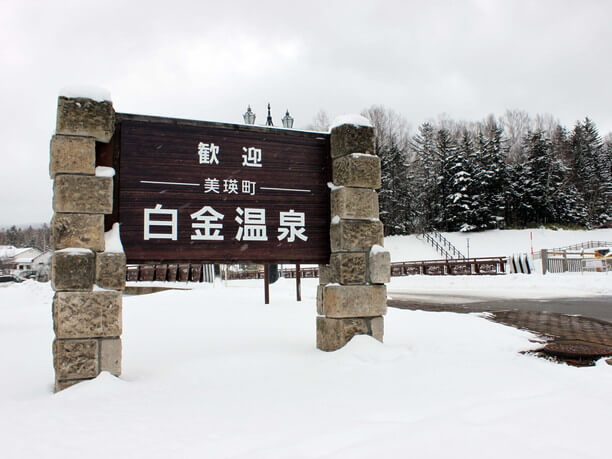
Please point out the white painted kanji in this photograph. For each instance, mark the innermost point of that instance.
(171, 225)
(248, 187)
(208, 153)
(208, 216)
(211, 185)
(230, 186)
(251, 157)
(253, 227)
(292, 224)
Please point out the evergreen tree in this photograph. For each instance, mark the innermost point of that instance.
(537, 180)
(591, 171)
(491, 174)
(445, 149)
(424, 177)
(460, 203)
(393, 191)
(390, 132)
(568, 202)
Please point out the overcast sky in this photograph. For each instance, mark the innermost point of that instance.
(208, 60)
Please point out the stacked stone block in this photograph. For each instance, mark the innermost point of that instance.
(352, 297)
(88, 281)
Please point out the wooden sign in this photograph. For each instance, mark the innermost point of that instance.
(192, 191)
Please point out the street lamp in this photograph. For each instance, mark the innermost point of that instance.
(249, 116)
(287, 120)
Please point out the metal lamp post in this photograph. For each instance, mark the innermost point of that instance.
(287, 120)
(249, 116)
(272, 274)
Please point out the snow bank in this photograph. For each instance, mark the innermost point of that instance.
(86, 92)
(517, 286)
(215, 370)
(492, 243)
(112, 240)
(355, 120)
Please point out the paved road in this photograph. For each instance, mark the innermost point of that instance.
(599, 307)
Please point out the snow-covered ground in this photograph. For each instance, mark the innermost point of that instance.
(214, 373)
(493, 243)
(535, 286)
(500, 243)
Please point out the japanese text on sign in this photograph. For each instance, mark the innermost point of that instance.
(208, 225)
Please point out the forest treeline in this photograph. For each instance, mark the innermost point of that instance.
(511, 171)
(507, 172)
(37, 237)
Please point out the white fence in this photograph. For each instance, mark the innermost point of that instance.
(560, 261)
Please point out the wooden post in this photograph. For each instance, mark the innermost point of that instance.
(565, 264)
(267, 284)
(544, 258)
(298, 283)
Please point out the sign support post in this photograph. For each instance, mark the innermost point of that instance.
(298, 282)
(87, 273)
(352, 297)
(266, 284)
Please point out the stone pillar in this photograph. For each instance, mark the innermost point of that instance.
(87, 279)
(352, 296)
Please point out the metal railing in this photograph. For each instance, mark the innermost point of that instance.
(467, 266)
(444, 246)
(580, 246)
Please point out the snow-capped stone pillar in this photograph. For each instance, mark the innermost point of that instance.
(352, 297)
(88, 266)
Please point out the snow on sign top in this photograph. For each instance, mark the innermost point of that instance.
(355, 120)
(102, 171)
(86, 92)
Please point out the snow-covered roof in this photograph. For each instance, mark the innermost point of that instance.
(8, 251)
(23, 260)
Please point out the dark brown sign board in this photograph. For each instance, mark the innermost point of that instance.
(195, 191)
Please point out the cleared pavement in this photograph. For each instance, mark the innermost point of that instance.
(596, 307)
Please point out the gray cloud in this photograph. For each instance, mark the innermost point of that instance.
(208, 60)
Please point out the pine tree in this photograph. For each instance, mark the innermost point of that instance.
(390, 131)
(445, 150)
(591, 171)
(491, 174)
(392, 194)
(461, 188)
(423, 174)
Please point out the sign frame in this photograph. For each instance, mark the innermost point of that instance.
(272, 141)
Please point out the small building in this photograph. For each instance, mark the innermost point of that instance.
(16, 260)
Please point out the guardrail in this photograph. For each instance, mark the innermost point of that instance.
(468, 266)
(205, 273)
(184, 272)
